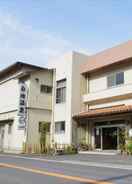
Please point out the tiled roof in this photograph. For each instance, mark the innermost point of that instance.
(104, 111)
(17, 66)
(108, 57)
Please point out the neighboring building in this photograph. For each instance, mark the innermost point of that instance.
(106, 98)
(66, 97)
(25, 102)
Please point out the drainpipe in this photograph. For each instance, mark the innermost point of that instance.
(52, 128)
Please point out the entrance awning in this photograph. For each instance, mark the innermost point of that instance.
(93, 113)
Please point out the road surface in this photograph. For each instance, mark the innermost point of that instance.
(25, 170)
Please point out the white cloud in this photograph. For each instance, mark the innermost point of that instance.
(19, 42)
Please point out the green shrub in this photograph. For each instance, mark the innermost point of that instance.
(122, 139)
(44, 127)
(70, 150)
(129, 146)
(85, 147)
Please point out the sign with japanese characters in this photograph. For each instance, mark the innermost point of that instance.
(22, 108)
(130, 132)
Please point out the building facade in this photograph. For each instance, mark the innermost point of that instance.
(106, 98)
(25, 102)
(83, 99)
(66, 97)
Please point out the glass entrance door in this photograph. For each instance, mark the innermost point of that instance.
(106, 138)
(109, 138)
(97, 133)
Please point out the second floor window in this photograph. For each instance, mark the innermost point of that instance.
(45, 89)
(115, 79)
(61, 91)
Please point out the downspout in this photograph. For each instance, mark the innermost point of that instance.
(53, 109)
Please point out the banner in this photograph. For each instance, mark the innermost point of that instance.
(22, 108)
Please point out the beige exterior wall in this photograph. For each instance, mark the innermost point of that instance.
(101, 96)
(36, 98)
(39, 108)
(77, 90)
(68, 66)
(99, 82)
(34, 117)
(12, 142)
(77, 82)
(9, 92)
(9, 97)
(39, 104)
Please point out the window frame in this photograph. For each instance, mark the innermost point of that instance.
(46, 89)
(59, 129)
(61, 91)
(40, 124)
(115, 75)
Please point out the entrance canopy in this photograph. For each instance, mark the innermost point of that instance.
(114, 110)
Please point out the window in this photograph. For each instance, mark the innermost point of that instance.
(120, 78)
(115, 79)
(111, 80)
(60, 127)
(40, 127)
(45, 126)
(9, 129)
(61, 91)
(45, 89)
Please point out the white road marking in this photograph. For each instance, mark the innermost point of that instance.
(82, 163)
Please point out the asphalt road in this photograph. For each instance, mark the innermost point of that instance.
(18, 170)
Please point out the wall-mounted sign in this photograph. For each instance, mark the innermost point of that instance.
(22, 108)
(130, 132)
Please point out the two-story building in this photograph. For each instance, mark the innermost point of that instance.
(66, 96)
(106, 80)
(25, 102)
(84, 99)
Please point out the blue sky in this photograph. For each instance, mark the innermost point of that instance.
(36, 31)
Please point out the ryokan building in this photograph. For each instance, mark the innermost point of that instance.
(106, 97)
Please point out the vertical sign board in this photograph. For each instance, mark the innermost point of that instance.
(22, 108)
(130, 132)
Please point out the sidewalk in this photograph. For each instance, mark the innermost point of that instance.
(112, 159)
